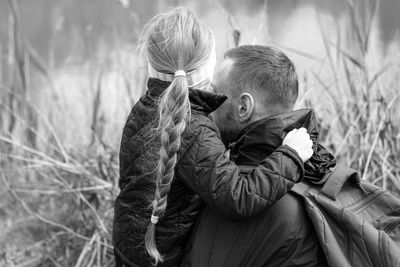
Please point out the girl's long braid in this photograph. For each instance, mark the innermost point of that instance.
(173, 42)
(174, 113)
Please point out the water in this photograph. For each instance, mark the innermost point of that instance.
(65, 29)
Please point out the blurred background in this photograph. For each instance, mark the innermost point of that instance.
(70, 73)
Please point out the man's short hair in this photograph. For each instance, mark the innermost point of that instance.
(266, 70)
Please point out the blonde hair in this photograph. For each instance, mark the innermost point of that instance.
(172, 41)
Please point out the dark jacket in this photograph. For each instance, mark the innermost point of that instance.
(203, 173)
(280, 236)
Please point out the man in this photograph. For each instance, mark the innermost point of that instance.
(262, 88)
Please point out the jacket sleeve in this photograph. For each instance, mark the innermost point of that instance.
(207, 170)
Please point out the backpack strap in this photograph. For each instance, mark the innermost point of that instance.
(301, 188)
(337, 178)
(334, 183)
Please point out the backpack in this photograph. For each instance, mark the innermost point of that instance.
(357, 223)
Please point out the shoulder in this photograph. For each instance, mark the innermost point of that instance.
(198, 127)
(288, 206)
(290, 212)
(199, 120)
(199, 138)
(141, 114)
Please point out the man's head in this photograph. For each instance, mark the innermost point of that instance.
(259, 81)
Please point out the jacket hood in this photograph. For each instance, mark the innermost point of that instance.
(200, 100)
(259, 139)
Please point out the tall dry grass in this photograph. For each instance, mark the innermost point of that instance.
(360, 100)
(58, 162)
(59, 165)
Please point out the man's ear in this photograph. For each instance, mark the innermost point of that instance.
(246, 107)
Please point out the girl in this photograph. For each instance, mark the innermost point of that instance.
(171, 151)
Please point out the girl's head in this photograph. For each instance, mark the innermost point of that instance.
(180, 50)
(177, 41)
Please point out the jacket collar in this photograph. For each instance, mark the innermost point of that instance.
(200, 100)
(259, 139)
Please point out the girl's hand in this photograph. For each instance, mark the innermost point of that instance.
(299, 140)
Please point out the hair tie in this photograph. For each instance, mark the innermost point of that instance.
(199, 78)
(154, 219)
(180, 73)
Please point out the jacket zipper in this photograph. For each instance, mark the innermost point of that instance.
(361, 206)
(390, 226)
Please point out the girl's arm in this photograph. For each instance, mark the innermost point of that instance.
(219, 182)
